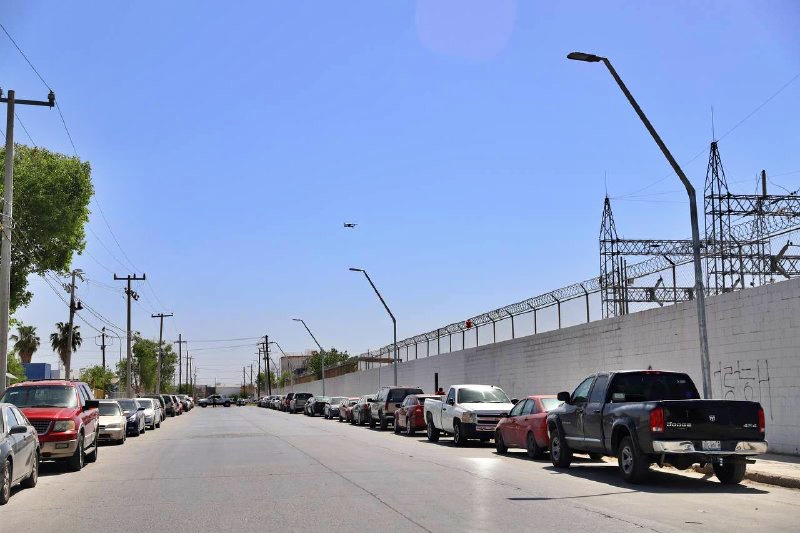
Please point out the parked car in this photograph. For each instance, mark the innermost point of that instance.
(468, 412)
(410, 416)
(331, 408)
(298, 401)
(134, 414)
(162, 405)
(526, 426)
(649, 416)
(178, 404)
(215, 399)
(346, 408)
(152, 412)
(171, 408)
(19, 451)
(186, 402)
(113, 423)
(286, 402)
(315, 405)
(276, 402)
(359, 415)
(387, 400)
(65, 415)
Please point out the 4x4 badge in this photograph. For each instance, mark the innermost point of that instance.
(712, 418)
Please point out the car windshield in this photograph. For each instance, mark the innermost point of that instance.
(41, 396)
(651, 387)
(144, 402)
(336, 400)
(128, 405)
(550, 403)
(109, 409)
(482, 396)
(321, 399)
(398, 395)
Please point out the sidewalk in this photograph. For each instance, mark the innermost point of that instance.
(773, 469)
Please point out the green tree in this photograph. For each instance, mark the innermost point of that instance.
(60, 339)
(145, 359)
(51, 206)
(332, 357)
(285, 378)
(26, 342)
(98, 377)
(15, 368)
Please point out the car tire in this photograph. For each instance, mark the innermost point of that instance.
(75, 462)
(122, 440)
(5, 482)
(730, 473)
(534, 450)
(92, 456)
(383, 422)
(560, 453)
(371, 422)
(409, 429)
(432, 432)
(203, 405)
(633, 464)
(459, 439)
(30, 481)
(499, 443)
(227, 404)
(396, 427)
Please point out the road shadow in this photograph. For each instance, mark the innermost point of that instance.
(657, 482)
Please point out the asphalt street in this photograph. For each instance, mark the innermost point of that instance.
(250, 469)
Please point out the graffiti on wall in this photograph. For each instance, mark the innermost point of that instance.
(745, 380)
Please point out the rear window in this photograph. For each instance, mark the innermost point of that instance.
(41, 396)
(398, 395)
(145, 402)
(302, 396)
(550, 403)
(128, 405)
(652, 387)
(109, 409)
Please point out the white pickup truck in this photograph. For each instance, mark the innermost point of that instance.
(467, 412)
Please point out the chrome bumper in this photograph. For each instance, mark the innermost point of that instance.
(66, 448)
(111, 433)
(687, 447)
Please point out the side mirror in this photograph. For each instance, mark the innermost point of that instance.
(397, 405)
(141, 409)
(504, 415)
(92, 404)
(451, 401)
(563, 396)
(514, 400)
(17, 430)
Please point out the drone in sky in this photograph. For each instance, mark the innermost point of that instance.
(350, 224)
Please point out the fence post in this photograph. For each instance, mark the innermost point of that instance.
(558, 303)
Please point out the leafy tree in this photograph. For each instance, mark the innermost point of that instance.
(26, 342)
(98, 377)
(15, 368)
(145, 359)
(285, 379)
(51, 206)
(332, 357)
(60, 340)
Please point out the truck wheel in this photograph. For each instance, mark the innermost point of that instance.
(459, 439)
(499, 444)
(76, 461)
(396, 427)
(384, 422)
(409, 428)
(227, 404)
(730, 473)
(432, 432)
(31, 480)
(534, 450)
(92, 457)
(632, 463)
(5, 482)
(371, 422)
(560, 454)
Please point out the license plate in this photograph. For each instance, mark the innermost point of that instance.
(485, 428)
(711, 445)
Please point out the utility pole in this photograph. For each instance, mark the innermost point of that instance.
(251, 378)
(103, 346)
(7, 223)
(161, 317)
(131, 294)
(188, 374)
(72, 308)
(180, 342)
(288, 363)
(258, 385)
(243, 379)
(266, 357)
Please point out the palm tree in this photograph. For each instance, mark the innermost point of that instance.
(60, 338)
(26, 342)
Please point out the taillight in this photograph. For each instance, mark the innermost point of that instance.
(418, 409)
(761, 423)
(657, 420)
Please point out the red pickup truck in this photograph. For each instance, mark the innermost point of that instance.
(65, 415)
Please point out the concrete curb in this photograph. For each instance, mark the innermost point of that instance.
(758, 476)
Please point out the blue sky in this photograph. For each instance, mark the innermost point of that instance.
(229, 144)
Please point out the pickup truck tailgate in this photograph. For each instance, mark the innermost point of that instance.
(711, 420)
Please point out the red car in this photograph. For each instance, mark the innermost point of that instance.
(346, 409)
(410, 416)
(65, 416)
(526, 426)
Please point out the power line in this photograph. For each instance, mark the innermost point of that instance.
(25, 129)
(24, 56)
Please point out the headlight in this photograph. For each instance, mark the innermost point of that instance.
(63, 425)
(113, 426)
(132, 418)
(469, 418)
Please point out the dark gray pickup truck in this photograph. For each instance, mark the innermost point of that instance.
(649, 416)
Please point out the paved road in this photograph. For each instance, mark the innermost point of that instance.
(249, 469)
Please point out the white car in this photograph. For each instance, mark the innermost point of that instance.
(112, 422)
(152, 412)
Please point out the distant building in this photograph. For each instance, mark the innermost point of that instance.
(295, 363)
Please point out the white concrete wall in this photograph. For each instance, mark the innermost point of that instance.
(754, 339)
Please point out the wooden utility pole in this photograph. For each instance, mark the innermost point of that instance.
(180, 342)
(161, 317)
(72, 308)
(131, 294)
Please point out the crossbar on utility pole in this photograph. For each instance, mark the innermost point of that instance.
(72, 308)
(131, 294)
(161, 317)
(7, 223)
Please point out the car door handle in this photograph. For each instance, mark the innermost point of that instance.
(596, 411)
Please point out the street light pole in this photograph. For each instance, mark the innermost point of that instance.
(288, 363)
(321, 351)
(394, 321)
(705, 362)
